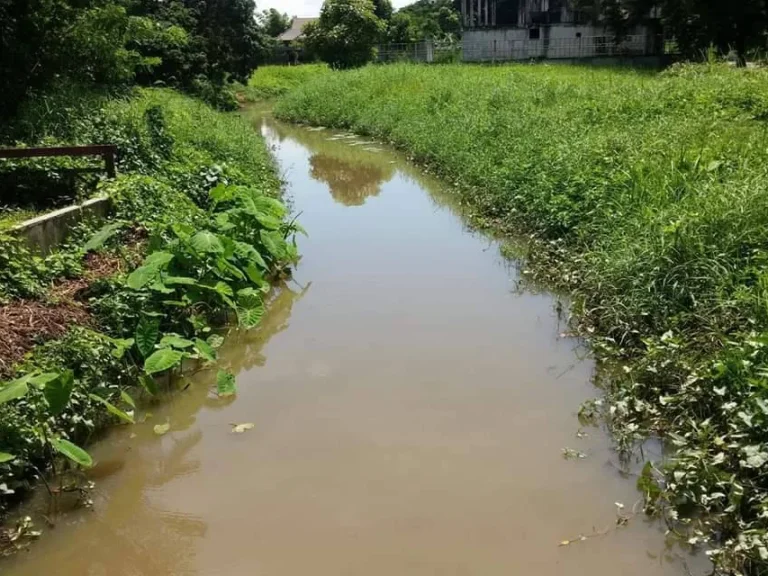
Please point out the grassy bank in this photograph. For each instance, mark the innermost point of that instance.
(269, 82)
(645, 196)
(195, 237)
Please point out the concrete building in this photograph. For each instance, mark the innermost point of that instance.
(498, 30)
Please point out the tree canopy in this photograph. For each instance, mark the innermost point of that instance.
(346, 33)
(274, 22)
(426, 19)
(185, 43)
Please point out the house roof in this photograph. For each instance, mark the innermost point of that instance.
(296, 29)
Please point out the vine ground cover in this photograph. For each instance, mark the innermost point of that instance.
(195, 238)
(645, 197)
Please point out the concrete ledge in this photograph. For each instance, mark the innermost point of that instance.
(43, 233)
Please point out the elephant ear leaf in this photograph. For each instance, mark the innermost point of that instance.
(73, 452)
(58, 391)
(14, 390)
(162, 360)
(147, 333)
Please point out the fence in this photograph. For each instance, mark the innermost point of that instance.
(428, 51)
(508, 45)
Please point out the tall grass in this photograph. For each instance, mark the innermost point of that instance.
(646, 196)
(272, 81)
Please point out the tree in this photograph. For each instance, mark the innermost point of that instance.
(431, 19)
(383, 9)
(346, 33)
(274, 23)
(695, 24)
(402, 29)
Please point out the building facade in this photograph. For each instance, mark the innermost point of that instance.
(499, 30)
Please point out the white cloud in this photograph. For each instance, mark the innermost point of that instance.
(307, 8)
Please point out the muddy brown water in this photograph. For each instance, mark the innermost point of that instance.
(410, 409)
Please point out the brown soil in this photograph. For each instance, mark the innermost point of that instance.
(25, 323)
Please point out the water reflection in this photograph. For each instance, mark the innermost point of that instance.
(144, 521)
(354, 170)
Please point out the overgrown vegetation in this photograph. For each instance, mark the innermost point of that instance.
(272, 81)
(645, 196)
(194, 45)
(195, 238)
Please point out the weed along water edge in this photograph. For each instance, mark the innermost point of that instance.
(401, 410)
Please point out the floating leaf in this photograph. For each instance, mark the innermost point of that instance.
(58, 391)
(161, 429)
(225, 383)
(162, 360)
(206, 242)
(205, 350)
(240, 428)
(5, 457)
(215, 340)
(112, 409)
(97, 240)
(72, 451)
(147, 333)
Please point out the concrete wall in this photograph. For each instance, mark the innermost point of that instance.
(49, 230)
(561, 41)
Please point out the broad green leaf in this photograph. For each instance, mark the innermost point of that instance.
(5, 457)
(41, 380)
(161, 429)
(127, 399)
(149, 384)
(72, 451)
(226, 267)
(121, 346)
(205, 350)
(270, 206)
(183, 280)
(112, 409)
(14, 390)
(253, 274)
(249, 317)
(58, 391)
(158, 286)
(162, 360)
(215, 340)
(97, 240)
(175, 341)
(206, 242)
(221, 193)
(274, 243)
(150, 270)
(147, 333)
(183, 231)
(269, 222)
(224, 289)
(225, 383)
(249, 253)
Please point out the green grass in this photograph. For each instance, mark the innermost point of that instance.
(646, 197)
(272, 81)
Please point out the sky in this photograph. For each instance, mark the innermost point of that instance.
(307, 7)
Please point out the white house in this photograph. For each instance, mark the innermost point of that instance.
(497, 30)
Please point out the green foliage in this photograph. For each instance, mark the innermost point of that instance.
(272, 81)
(437, 19)
(274, 22)
(225, 384)
(694, 24)
(194, 193)
(346, 33)
(645, 197)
